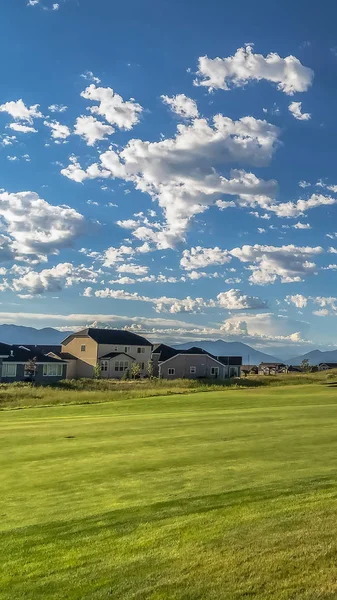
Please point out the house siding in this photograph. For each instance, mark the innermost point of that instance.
(86, 361)
(111, 373)
(145, 357)
(182, 363)
(39, 377)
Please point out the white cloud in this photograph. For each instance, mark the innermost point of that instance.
(182, 105)
(60, 108)
(298, 208)
(124, 114)
(53, 280)
(235, 300)
(22, 128)
(20, 112)
(265, 327)
(37, 228)
(199, 258)
(92, 130)
(288, 263)
(7, 140)
(296, 110)
(180, 173)
(236, 71)
(58, 131)
(32, 2)
(302, 226)
(89, 76)
(12, 158)
(304, 184)
(133, 269)
(323, 312)
(55, 6)
(112, 255)
(298, 300)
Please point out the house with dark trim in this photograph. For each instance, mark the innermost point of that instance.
(14, 360)
(327, 366)
(114, 350)
(194, 363)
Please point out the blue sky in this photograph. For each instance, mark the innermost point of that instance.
(143, 185)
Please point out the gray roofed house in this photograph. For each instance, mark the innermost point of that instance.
(193, 363)
(114, 350)
(13, 366)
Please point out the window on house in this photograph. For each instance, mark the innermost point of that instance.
(116, 349)
(171, 371)
(193, 370)
(127, 349)
(104, 365)
(140, 350)
(83, 348)
(9, 370)
(215, 371)
(52, 370)
(121, 365)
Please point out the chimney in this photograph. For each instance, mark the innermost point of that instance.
(12, 353)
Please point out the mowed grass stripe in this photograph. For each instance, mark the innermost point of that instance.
(200, 497)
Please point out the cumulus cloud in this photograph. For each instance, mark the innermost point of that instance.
(116, 111)
(236, 71)
(133, 269)
(199, 258)
(20, 112)
(182, 105)
(89, 76)
(112, 255)
(52, 280)
(60, 108)
(37, 228)
(235, 300)
(269, 263)
(265, 327)
(22, 128)
(181, 172)
(92, 130)
(302, 226)
(300, 207)
(58, 131)
(296, 110)
(298, 300)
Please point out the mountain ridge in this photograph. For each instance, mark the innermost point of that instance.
(222, 348)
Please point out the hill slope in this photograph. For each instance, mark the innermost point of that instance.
(314, 357)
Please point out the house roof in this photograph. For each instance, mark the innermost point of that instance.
(42, 348)
(329, 364)
(273, 364)
(164, 351)
(111, 336)
(24, 355)
(114, 354)
(229, 360)
(4, 349)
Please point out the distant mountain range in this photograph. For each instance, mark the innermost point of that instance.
(315, 357)
(19, 334)
(222, 348)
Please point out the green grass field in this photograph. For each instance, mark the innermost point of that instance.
(221, 495)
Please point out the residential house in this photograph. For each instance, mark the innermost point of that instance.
(14, 360)
(327, 366)
(249, 370)
(272, 368)
(114, 350)
(195, 363)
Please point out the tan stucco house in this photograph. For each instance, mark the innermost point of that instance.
(114, 350)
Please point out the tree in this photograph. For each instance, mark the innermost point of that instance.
(31, 369)
(135, 370)
(97, 371)
(150, 369)
(305, 365)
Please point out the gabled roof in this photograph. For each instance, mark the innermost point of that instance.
(165, 352)
(272, 364)
(111, 336)
(329, 364)
(22, 355)
(42, 348)
(114, 354)
(4, 349)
